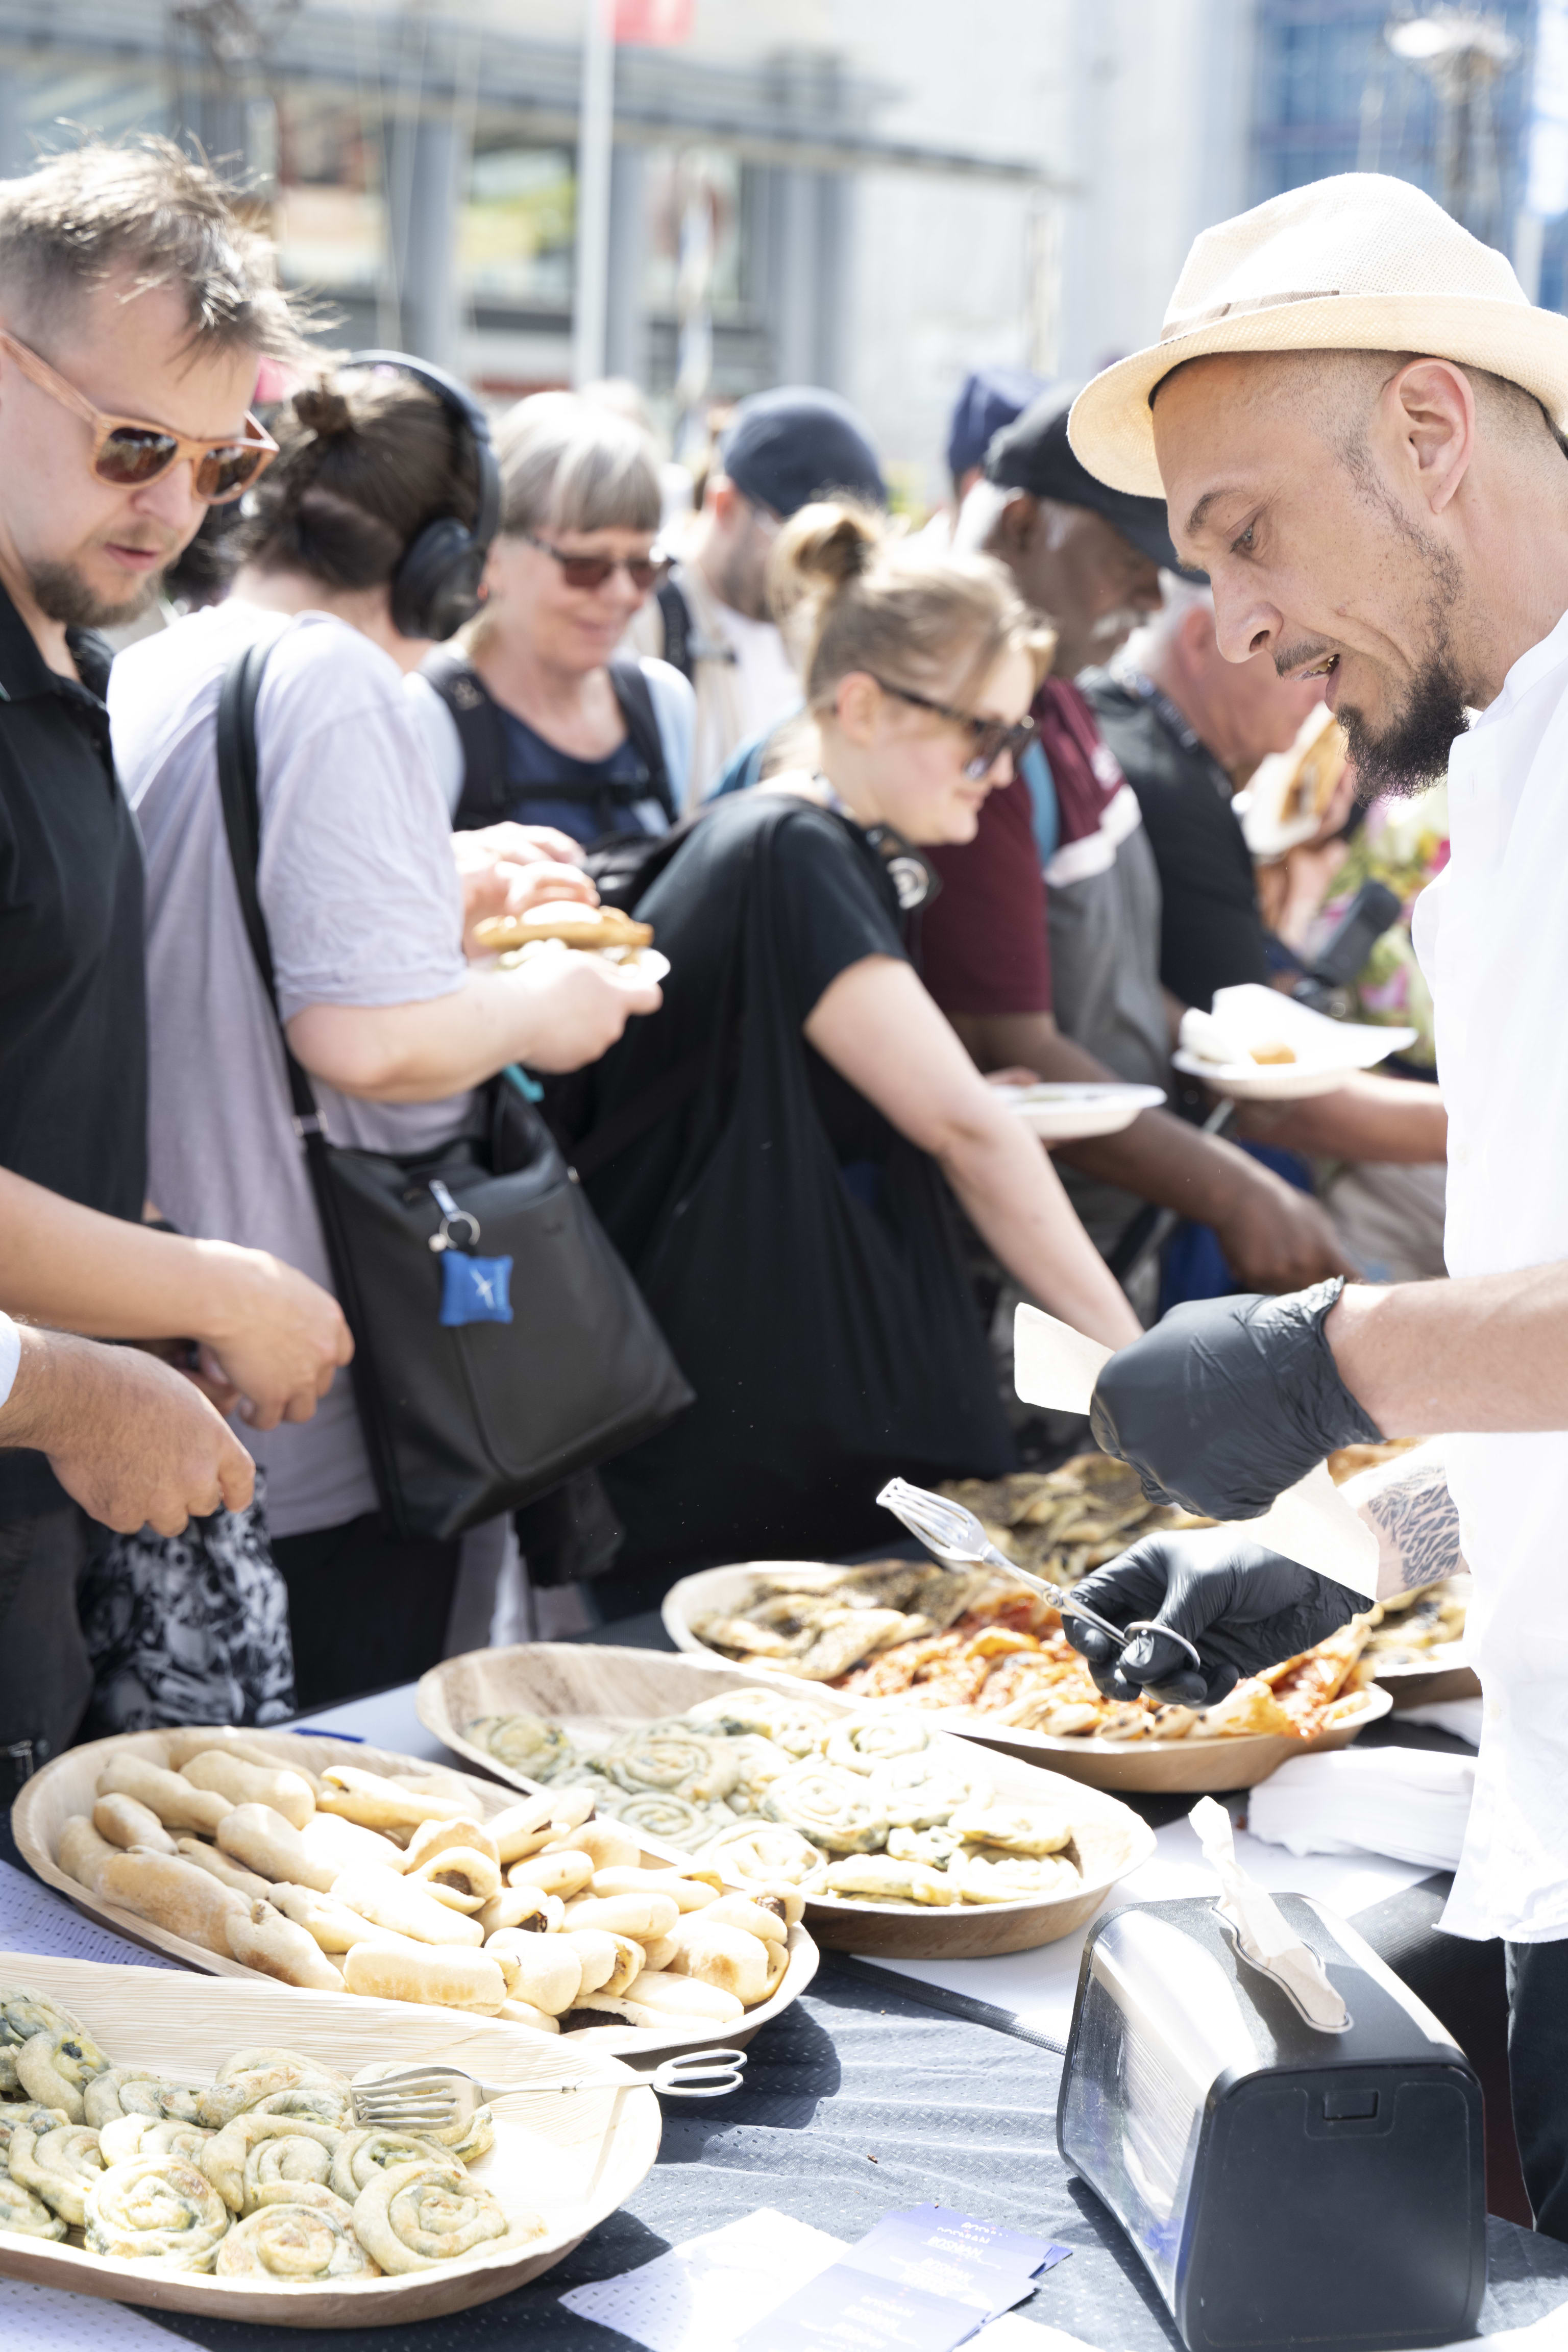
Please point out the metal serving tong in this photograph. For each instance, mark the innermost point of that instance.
(433, 2099)
(957, 1539)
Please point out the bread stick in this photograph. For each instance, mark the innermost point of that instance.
(82, 1852)
(328, 1838)
(522, 1907)
(263, 1938)
(624, 1915)
(378, 1802)
(404, 1907)
(207, 1857)
(173, 1894)
(686, 1997)
(126, 1821)
(565, 1870)
(450, 1978)
(264, 1842)
(177, 1804)
(335, 1928)
(544, 1970)
(252, 1784)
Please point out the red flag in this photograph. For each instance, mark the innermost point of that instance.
(654, 24)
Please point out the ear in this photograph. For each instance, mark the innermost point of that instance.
(722, 500)
(1013, 533)
(1431, 410)
(857, 705)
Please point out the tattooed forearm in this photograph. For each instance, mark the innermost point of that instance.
(1415, 1519)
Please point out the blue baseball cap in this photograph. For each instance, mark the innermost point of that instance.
(991, 397)
(790, 445)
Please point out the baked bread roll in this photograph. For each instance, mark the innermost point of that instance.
(758, 1914)
(173, 1894)
(448, 1977)
(659, 1950)
(294, 2241)
(462, 1876)
(379, 1802)
(523, 1828)
(523, 1907)
(544, 1970)
(564, 1871)
(260, 1837)
(575, 926)
(82, 1852)
(252, 1784)
(416, 2215)
(730, 1958)
(624, 1915)
(186, 1740)
(334, 1927)
(231, 1874)
(603, 2012)
(405, 1907)
(691, 1893)
(156, 2208)
(263, 1938)
(433, 1837)
(679, 1995)
(177, 1804)
(125, 1821)
(522, 2013)
(328, 1838)
(606, 1845)
(598, 1955)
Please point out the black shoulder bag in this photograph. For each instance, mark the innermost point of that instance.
(499, 1342)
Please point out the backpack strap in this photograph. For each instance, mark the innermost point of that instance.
(678, 649)
(481, 732)
(629, 682)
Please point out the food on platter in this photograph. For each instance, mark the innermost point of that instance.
(260, 2173)
(879, 1811)
(1417, 1625)
(1006, 1661)
(819, 1621)
(391, 1887)
(566, 923)
(1274, 1050)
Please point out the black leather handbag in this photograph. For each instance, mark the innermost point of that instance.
(499, 1342)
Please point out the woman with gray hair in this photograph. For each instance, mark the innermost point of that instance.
(550, 725)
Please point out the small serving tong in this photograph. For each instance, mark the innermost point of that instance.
(435, 2098)
(958, 1540)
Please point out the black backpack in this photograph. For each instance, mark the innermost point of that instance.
(482, 730)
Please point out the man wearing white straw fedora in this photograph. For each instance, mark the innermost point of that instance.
(1356, 419)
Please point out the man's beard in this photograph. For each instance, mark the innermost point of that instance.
(1411, 750)
(62, 594)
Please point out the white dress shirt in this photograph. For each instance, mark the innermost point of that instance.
(1492, 937)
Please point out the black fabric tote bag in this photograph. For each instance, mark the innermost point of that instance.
(832, 1345)
(461, 1419)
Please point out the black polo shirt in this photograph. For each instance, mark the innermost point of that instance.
(1210, 932)
(73, 1006)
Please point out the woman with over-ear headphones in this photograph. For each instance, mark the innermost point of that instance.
(362, 541)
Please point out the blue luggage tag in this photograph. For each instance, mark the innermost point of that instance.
(474, 1289)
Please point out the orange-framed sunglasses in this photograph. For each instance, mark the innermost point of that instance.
(132, 455)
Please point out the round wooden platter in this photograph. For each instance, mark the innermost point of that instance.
(67, 1786)
(572, 2159)
(1192, 1767)
(1443, 1673)
(590, 1689)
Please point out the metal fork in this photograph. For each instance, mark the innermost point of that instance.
(432, 2098)
(958, 1539)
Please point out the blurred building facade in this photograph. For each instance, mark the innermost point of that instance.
(872, 194)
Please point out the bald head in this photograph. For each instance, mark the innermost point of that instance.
(1391, 522)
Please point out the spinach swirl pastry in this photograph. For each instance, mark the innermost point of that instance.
(25, 2215)
(55, 2065)
(156, 2208)
(226, 2159)
(59, 2166)
(416, 2215)
(292, 2244)
(834, 1810)
(673, 1759)
(361, 2155)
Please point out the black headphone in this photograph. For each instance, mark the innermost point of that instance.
(435, 587)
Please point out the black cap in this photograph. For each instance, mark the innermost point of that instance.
(1035, 454)
(991, 399)
(790, 445)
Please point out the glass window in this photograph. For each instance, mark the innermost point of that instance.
(517, 228)
(330, 217)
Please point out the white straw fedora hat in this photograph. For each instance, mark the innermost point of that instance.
(1358, 263)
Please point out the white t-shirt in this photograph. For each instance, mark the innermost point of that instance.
(766, 689)
(363, 908)
(1494, 949)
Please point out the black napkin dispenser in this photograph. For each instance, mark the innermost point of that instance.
(1285, 2185)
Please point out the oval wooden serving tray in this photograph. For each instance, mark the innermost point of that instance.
(572, 2158)
(65, 1787)
(587, 1687)
(1191, 1766)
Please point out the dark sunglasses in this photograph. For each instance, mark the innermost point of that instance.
(133, 455)
(593, 571)
(991, 737)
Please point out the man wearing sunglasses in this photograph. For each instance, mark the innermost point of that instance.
(710, 618)
(134, 312)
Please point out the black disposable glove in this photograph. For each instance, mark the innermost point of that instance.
(1241, 1606)
(1228, 1401)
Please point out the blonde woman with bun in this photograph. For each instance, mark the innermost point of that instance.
(778, 1157)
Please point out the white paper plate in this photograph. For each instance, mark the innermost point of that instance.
(1063, 1111)
(1327, 1052)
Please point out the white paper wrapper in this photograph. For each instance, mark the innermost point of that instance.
(1260, 1927)
(1057, 1366)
